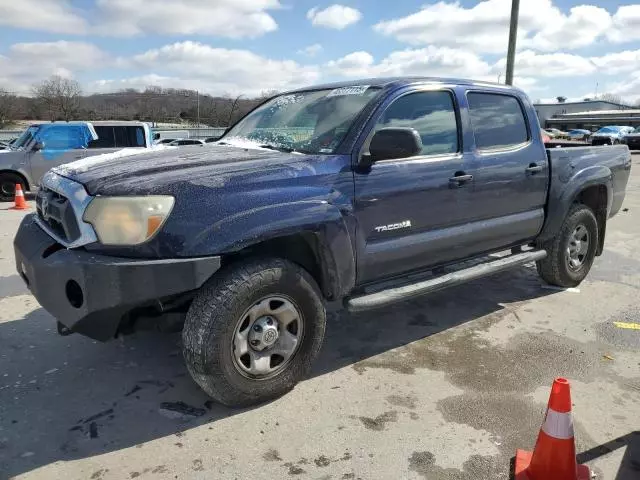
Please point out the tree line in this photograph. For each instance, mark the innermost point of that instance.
(59, 98)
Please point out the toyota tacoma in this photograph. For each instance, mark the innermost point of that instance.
(359, 194)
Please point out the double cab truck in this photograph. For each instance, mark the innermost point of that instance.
(358, 194)
(46, 145)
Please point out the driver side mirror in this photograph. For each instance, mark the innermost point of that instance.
(394, 142)
(38, 146)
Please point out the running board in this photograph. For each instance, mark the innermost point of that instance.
(402, 293)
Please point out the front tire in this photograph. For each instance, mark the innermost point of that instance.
(571, 253)
(8, 182)
(253, 331)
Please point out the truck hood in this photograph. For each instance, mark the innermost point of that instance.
(146, 172)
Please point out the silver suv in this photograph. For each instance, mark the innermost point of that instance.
(44, 146)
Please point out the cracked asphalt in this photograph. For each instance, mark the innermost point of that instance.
(445, 387)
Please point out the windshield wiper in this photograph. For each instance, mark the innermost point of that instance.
(280, 149)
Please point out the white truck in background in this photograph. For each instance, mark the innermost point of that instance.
(47, 145)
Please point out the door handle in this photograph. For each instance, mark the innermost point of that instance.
(534, 168)
(460, 180)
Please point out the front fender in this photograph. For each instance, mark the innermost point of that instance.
(16, 162)
(565, 188)
(328, 223)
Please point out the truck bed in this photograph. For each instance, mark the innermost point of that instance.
(577, 166)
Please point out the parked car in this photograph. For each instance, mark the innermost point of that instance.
(169, 134)
(555, 133)
(186, 141)
(579, 134)
(396, 184)
(546, 138)
(211, 139)
(43, 146)
(611, 135)
(632, 139)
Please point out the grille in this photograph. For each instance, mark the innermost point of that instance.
(56, 212)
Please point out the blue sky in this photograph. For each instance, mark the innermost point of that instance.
(565, 47)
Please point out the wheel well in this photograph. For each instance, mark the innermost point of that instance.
(14, 172)
(595, 197)
(301, 249)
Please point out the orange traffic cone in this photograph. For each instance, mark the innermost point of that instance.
(19, 201)
(554, 456)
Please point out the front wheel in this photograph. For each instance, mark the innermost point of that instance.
(571, 253)
(253, 331)
(8, 182)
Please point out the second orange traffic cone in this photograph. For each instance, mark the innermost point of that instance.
(19, 201)
(554, 456)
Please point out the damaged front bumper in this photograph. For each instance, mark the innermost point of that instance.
(89, 293)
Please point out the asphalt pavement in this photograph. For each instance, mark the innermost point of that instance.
(445, 387)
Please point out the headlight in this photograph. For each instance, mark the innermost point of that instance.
(127, 220)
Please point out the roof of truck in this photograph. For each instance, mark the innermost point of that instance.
(400, 82)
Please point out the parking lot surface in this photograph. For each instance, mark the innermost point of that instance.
(445, 387)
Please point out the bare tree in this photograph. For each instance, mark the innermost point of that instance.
(7, 107)
(234, 105)
(610, 97)
(61, 96)
(561, 99)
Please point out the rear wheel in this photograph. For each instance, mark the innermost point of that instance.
(8, 183)
(572, 251)
(253, 331)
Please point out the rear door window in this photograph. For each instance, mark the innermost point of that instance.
(106, 138)
(129, 136)
(498, 121)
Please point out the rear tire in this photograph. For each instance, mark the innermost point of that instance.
(571, 253)
(229, 307)
(8, 183)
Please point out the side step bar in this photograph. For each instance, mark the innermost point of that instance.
(399, 294)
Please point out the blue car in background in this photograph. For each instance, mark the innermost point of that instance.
(611, 135)
(579, 134)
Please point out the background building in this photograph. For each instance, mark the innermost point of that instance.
(588, 114)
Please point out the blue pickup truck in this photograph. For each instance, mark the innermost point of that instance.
(359, 194)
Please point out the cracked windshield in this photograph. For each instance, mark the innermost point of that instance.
(308, 122)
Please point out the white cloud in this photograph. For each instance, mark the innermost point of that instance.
(28, 63)
(335, 16)
(584, 25)
(356, 64)
(56, 16)
(530, 63)
(429, 61)
(626, 24)
(619, 62)
(224, 18)
(485, 26)
(628, 89)
(221, 70)
(311, 50)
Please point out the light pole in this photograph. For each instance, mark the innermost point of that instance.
(513, 36)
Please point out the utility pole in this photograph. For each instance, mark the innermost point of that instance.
(198, 108)
(513, 36)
